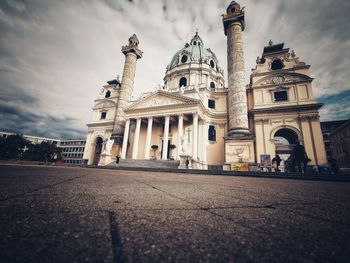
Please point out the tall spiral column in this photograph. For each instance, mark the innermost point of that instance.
(239, 142)
(132, 53)
(237, 99)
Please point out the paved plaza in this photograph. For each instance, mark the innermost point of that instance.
(67, 214)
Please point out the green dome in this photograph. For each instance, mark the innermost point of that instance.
(194, 52)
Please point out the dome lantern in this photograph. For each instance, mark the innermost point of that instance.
(194, 52)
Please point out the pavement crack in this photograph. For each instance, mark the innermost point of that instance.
(39, 189)
(117, 246)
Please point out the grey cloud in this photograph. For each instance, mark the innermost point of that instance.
(16, 120)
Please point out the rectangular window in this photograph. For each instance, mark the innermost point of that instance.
(103, 115)
(211, 104)
(280, 95)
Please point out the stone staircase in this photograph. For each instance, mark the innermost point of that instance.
(165, 164)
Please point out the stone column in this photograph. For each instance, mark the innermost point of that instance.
(148, 138)
(165, 138)
(136, 139)
(125, 139)
(195, 137)
(132, 53)
(180, 126)
(237, 98)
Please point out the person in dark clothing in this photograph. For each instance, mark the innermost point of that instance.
(334, 166)
(187, 162)
(299, 157)
(277, 160)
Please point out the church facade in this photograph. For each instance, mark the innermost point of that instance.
(195, 119)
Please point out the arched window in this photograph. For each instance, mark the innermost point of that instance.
(183, 82)
(212, 85)
(211, 133)
(277, 64)
(98, 148)
(108, 94)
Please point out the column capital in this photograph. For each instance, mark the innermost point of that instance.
(132, 47)
(234, 14)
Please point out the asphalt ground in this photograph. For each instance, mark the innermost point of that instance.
(67, 214)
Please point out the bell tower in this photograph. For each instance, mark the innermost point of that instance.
(239, 142)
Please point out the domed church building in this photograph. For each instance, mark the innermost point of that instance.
(195, 120)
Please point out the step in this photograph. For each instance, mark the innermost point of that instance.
(171, 164)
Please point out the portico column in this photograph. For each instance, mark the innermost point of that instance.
(125, 138)
(148, 137)
(165, 138)
(180, 126)
(195, 136)
(136, 139)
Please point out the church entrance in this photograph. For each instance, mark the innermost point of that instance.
(98, 150)
(168, 153)
(285, 140)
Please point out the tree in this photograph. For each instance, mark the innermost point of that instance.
(44, 151)
(12, 146)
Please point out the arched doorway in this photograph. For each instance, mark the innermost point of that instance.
(285, 140)
(98, 149)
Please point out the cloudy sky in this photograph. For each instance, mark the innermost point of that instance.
(56, 55)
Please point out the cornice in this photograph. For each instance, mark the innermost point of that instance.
(279, 71)
(290, 108)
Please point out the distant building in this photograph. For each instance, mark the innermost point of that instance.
(72, 151)
(340, 141)
(32, 139)
(327, 127)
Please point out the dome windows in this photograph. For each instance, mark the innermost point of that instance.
(277, 64)
(108, 94)
(184, 59)
(212, 64)
(183, 82)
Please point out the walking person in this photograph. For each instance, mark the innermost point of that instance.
(299, 158)
(277, 160)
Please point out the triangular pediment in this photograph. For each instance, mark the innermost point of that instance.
(161, 99)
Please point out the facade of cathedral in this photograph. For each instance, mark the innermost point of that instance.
(198, 121)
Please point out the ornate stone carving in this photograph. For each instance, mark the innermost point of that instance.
(278, 80)
(264, 120)
(127, 84)
(237, 99)
(312, 117)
